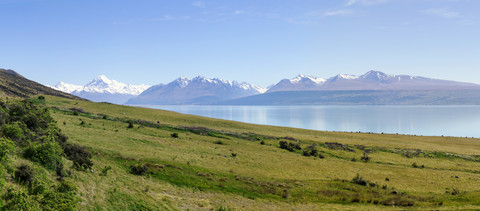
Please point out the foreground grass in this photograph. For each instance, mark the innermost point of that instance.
(224, 164)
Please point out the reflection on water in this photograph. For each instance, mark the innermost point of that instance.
(420, 120)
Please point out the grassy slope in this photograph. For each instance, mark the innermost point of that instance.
(194, 172)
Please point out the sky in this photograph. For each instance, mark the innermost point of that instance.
(257, 41)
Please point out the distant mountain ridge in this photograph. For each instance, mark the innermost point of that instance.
(13, 84)
(372, 80)
(103, 89)
(199, 90)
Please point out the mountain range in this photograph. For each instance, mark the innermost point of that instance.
(199, 90)
(372, 80)
(380, 88)
(103, 89)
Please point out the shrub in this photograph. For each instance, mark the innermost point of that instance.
(80, 156)
(359, 180)
(105, 170)
(130, 124)
(63, 197)
(312, 151)
(19, 200)
(219, 142)
(289, 146)
(174, 135)
(41, 97)
(365, 157)
(13, 131)
(6, 148)
(48, 154)
(139, 169)
(24, 174)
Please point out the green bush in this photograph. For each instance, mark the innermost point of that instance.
(290, 146)
(80, 156)
(62, 197)
(359, 180)
(139, 169)
(48, 154)
(6, 148)
(19, 200)
(24, 174)
(13, 131)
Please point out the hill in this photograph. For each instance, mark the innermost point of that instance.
(13, 84)
(152, 159)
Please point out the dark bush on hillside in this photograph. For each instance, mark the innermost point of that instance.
(80, 156)
(139, 169)
(219, 142)
(365, 157)
(41, 97)
(312, 151)
(289, 146)
(174, 135)
(359, 180)
(24, 174)
(48, 154)
(130, 124)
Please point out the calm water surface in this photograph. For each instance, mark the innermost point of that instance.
(419, 120)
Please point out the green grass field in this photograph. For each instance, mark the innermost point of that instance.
(222, 165)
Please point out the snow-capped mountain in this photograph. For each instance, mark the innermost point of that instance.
(372, 80)
(301, 82)
(199, 90)
(65, 87)
(103, 89)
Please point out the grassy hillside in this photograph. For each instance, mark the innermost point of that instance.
(151, 159)
(13, 84)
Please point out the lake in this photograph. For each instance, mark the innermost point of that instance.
(462, 121)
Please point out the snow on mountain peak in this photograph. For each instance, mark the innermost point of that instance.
(102, 84)
(301, 77)
(347, 76)
(376, 75)
(65, 87)
(103, 78)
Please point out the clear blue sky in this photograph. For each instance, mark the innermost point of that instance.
(258, 41)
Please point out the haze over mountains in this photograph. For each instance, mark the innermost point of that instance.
(373, 87)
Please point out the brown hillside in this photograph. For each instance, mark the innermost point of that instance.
(13, 84)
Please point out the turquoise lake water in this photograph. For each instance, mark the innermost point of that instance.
(463, 121)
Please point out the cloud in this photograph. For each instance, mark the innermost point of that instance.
(365, 2)
(338, 12)
(200, 4)
(442, 12)
(238, 12)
